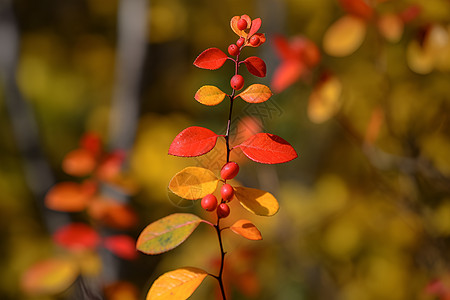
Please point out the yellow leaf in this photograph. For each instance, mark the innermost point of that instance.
(344, 36)
(246, 229)
(256, 93)
(324, 100)
(193, 183)
(209, 95)
(50, 276)
(176, 285)
(256, 201)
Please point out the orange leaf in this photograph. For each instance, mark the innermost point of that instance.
(178, 284)
(113, 213)
(209, 95)
(68, 197)
(121, 290)
(344, 36)
(256, 201)
(391, 27)
(49, 276)
(246, 229)
(324, 99)
(233, 25)
(79, 162)
(256, 93)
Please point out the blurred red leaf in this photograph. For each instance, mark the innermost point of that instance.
(298, 57)
(91, 142)
(68, 197)
(121, 245)
(112, 213)
(79, 162)
(358, 8)
(77, 236)
(211, 59)
(193, 141)
(268, 148)
(255, 66)
(110, 167)
(410, 13)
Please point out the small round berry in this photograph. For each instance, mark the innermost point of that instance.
(233, 50)
(255, 40)
(229, 170)
(209, 202)
(242, 24)
(237, 82)
(223, 210)
(240, 42)
(227, 192)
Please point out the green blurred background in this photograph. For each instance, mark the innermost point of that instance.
(358, 220)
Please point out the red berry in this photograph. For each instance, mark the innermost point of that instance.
(254, 40)
(240, 42)
(209, 202)
(242, 24)
(237, 82)
(223, 210)
(229, 170)
(227, 192)
(233, 50)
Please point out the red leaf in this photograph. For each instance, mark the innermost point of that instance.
(358, 8)
(268, 148)
(256, 24)
(193, 141)
(256, 66)
(76, 236)
(91, 142)
(286, 74)
(121, 245)
(211, 59)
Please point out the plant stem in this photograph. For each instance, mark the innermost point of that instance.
(222, 259)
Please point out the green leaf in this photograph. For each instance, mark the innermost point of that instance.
(193, 183)
(167, 233)
(178, 284)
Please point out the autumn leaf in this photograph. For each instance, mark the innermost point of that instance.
(77, 236)
(193, 141)
(79, 162)
(211, 59)
(344, 36)
(178, 284)
(358, 8)
(256, 93)
(268, 148)
(298, 56)
(193, 183)
(256, 66)
(257, 201)
(324, 101)
(246, 229)
(209, 95)
(68, 197)
(121, 245)
(50, 276)
(167, 233)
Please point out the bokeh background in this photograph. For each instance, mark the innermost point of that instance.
(365, 209)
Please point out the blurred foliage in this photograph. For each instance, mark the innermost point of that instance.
(365, 209)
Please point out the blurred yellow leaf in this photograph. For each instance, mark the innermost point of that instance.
(344, 36)
(256, 201)
(391, 27)
(193, 183)
(50, 276)
(178, 284)
(324, 100)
